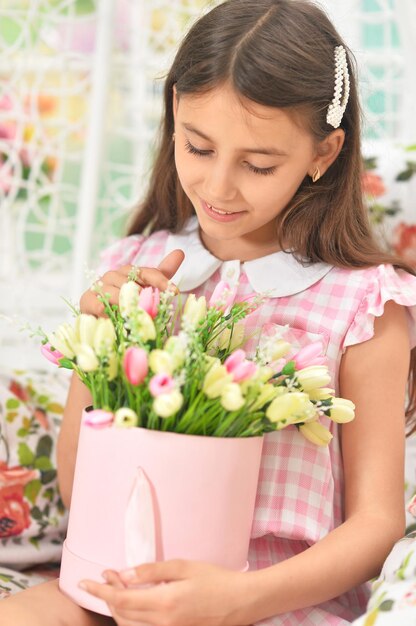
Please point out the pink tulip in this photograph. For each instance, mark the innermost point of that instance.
(223, 296)
(309, 355)
(135, 365)
(149, 299)
(52, 355)
(99, 418)
(238, 366)
(411, 506)
(161, 383)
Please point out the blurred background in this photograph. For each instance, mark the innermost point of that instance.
(80, 102)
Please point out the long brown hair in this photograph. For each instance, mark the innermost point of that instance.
(278, 53)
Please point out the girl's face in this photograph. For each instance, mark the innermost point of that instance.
(239, 167)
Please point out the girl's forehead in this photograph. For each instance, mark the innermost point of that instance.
(223, 108)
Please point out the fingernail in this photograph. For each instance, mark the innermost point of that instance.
(128, 574)
(104, 575)
(83, 585)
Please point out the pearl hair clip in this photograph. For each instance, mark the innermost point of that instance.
(339, 102)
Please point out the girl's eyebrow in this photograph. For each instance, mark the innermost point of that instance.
(257, 150)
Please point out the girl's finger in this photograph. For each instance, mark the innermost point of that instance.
(113, 578)
(152, 277)
(171, 263)
(116, 279)
(90, 303)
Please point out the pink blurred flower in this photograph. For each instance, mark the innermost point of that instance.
(223, 296)
(161, 383)
(135, 365)
(309, 355)
(99, 418)
(149, 299)
(404, 242)
(6, 176)
(52, 355)
(237, 365)
(411, 506)
(372, 185)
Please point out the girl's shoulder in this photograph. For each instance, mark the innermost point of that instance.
(126, 251)
(365, 292)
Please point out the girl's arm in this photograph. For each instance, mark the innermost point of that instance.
(78, 398)
(373, 375)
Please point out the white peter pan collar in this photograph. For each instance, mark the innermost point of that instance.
(279, 274)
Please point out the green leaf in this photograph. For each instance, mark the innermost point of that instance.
(66, 363)
(411, 148)
(34, 542)
(36, 513)
(22, 432)
(12, 403)
(289, 368)
(48, 494)
(5, 578)
(32, 489)
(43, 399)
(44, 447)
(370, 163)
(48, 476)
(26, 456)
(403, 176)
(43, 463)
(386, 605)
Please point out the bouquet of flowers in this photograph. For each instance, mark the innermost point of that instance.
(169, 454)
(198, 380)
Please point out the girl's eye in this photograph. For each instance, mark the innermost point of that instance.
(190, 148)
(263, 171)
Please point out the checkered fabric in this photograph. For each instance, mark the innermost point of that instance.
(299, 497)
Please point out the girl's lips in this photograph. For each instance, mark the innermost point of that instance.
(220, 217)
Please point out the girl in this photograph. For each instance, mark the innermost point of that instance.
(257, 181)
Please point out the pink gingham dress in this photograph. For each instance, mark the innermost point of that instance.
(299, 498)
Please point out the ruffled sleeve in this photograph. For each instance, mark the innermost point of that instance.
(384, 283)
(121, 252)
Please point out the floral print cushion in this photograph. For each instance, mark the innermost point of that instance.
(393, 598)
(32, 516)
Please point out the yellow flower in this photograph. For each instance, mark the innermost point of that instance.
(128, 298)
(104, 336)
(215, 381)
(342, 410)
(126, 418)
(85, 327)
(279, 349)
(65, 340)
(86, 358)
(316, 433)
(290, 408)
(112, 366)
(176, 349)
(195, 309)
(231, 397)
(144, 325)
(321, 394)
(267, 393)
(161, 362)
(227, 341)
(167, 404)
(313, 377)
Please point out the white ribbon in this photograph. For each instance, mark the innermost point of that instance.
(139, 523)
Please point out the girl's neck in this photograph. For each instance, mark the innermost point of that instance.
(243, 248)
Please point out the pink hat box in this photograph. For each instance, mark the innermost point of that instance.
(145, 495)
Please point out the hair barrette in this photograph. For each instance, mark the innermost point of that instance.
(339, 102)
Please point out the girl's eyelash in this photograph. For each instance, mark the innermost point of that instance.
(263, 171)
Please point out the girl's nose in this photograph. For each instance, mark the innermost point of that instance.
(220, 185)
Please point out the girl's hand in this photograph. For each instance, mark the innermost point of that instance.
(174, 593)
(148, 276)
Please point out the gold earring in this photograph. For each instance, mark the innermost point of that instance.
(316, 175)
(173, 136)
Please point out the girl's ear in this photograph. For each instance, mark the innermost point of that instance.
(327, 151)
